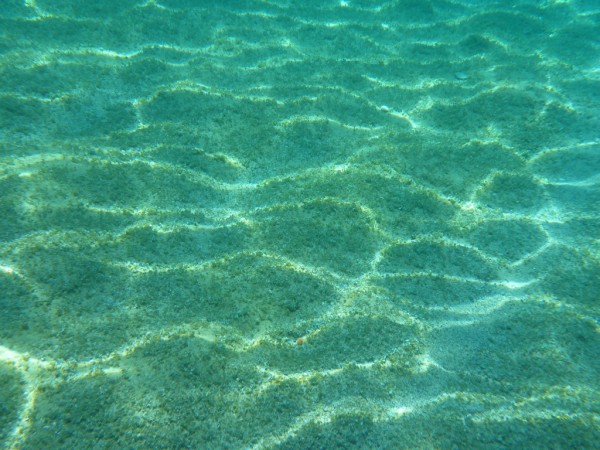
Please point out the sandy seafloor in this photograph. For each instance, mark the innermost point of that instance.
(410, 187)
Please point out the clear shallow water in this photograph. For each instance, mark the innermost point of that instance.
(299, 224)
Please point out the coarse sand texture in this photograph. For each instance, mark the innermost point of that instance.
(285, 224)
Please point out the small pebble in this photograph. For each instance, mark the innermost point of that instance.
(462, 76)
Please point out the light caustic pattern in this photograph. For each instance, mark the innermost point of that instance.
(299, 224)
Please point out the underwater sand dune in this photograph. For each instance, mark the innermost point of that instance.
(280, 224)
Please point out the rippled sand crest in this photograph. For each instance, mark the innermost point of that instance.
(285, 224)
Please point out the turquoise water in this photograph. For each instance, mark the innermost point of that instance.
(289, 224)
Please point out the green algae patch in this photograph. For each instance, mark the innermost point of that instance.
(328, 234)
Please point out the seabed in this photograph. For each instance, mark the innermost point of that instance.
(299, 225)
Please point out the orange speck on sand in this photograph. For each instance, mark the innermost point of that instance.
(299, 341)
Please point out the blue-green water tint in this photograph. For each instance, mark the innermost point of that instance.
(411, 188)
